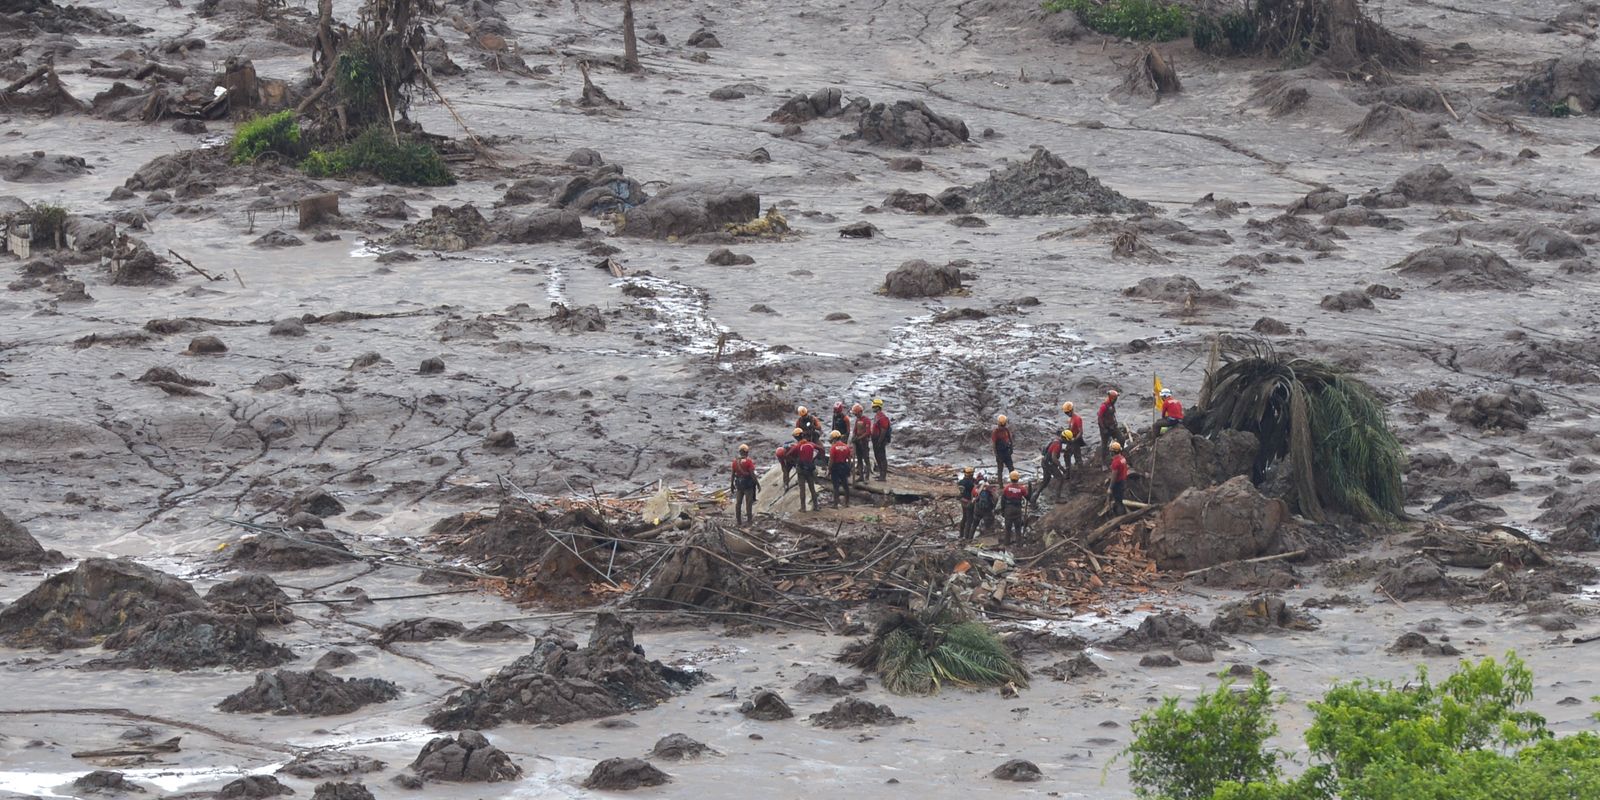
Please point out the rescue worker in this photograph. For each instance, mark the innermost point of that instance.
(1107, 420)
(1054, 459)
(1012, 499)
(841, 422)
(1119, 479)
(881, 434)
(984, 507)
(786, 461)
(742, 482)
(809, 424)
(861, 434)
(967, 496)
(1171, 412)
(1074, 449)
(805, 466)
(1000, 437)
(839, 468)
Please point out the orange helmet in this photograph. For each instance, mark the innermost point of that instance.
(799, 432)
(1112, 395)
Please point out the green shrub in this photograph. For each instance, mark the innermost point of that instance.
(375, 151)
(919, 654)
(1185, 755)
(274, 133)
(1141, 20)
(49, 224)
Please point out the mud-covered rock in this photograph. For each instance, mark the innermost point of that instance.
(276, 239)
(313, 694)
(1159, 661)
(1413, 643)
(703, 38)
(1194, 652)
(828, 685)
(1205, 527)
(341, 791)
(253, 787)
(1079, 666)
(1181, 290)
(678, 747)
(909, 125)
(1268, 326)
(467, 758)
(205, 346)
(104, 782)
(1544, 243)
(918, 278)
(723, 257)
(1261, 613)
(99, 597)
(688, 209)
(493, 632)
(549, 225)
(1559, 86)
(1464, 268)
(1575, 514)
(1163, 630)
(318, 502)
(1506, 410)
(1434, 184)
(193, 640)
(765, 705)
(1183, 461)
(624, 774)
(329, 763)
(19, 550)
(1347, 300)
(559, 682)
(1419, 577)
(447, 230)
(419, 629)
(290, 327)
(1320, 201)
(914, 203)
(276, 551)
(1044, 184)
(252, 595)
(1017, 771)
(801, 109)
(388, 206)
(335, 658)
(853, 712)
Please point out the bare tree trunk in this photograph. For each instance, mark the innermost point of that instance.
(630, 42)
(1344, 17)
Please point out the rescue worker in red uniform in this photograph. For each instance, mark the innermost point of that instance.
(967, 496)
(1054, 465)
(1012, 499)
(742, 481)
(841, 420)
(1107, 421)
(1119, 479)
(881, 434)
(1074, 449)
(1000, 437)
(861, 435)
(1171, 412)
(839, 454)
(988, 499)
(809, 425)
(786, 461)
(805, 466)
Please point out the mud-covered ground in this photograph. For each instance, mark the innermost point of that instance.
(98, 464)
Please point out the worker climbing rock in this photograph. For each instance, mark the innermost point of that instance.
(881, 434)
(1171, 413)
(1012, 499)
(1054, 465)
(1119, 479)
(805, 467)
(967, 496)
(983, 508)
(809, 424)
(861, 435)
(785, 457)
(839, 454)
(1074, 449)
(841, 420)
(1107, 421)
(742, 483)
(1000, 437)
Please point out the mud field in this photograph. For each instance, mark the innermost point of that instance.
(1285, 201)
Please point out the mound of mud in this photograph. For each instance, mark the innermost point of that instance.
(908, 125)
(1464, 268)
(468, 758)
(697, 574)
(1046, 185)
(253, 787)
(1163, 630)
(1081, 665)
(624, 774)
(1262, 613)
(1390, 125)
(1419, 577)
(447, 230)
(252, 595)
(1017, 770)
(193, 640)
(679, 747)
(329, 763)
(855, 713)
(99, 597)
(275, 552)
(318, 502)
(559, 683)
(1215, 525)
(341, 791)
(688, 209)
(918, 278)
(821, 104)
(312, 694)
(106, 782)
(1576, 515)
(1560, 86)
(1178, 289)
(38, 167)
(19, 550)
(1508, 410)
(1434, 184)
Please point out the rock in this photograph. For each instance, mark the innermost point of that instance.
(1044, 184)
(431, 366)
(1464, 267)
(1160, 660)
(419, 629)
(500, 440)
(274, 382)
(388, 206)
(1261, 613)
(827, 685)
(1380, 292)
(1268, 326)
(559, 683)
(543, 226)
(682, 210)
(316, 501)
(103, 781)
(909, 125)
(704, 39)
(858, 230)
(1183, 461)
(493, 632)
(99, 597)
(341, 791)
(1417, 643)
(905, 164)
(801, 108)
(765, 705)
(39, 167)
(192, 640)
(1557, 87)
(678, 747)
(315, 694)
(1079, 666)
(1162, 630)
(1434, 184)
(585, 157)
(1347, 300)
(760, 155)
(726, 93)
(252, 595)
(914, 203)
(577, 320)
(723, 257)
(624, 774)
(1419, 577)
(1194, 652)
(335, 658)
(447, 230)
(468, 758)
(1181, 290)
(1544, 243)
(1017, 770)
(1205, 527)
(918, 278)
(1320, 201)
(275, 239)
(253, 787)
(205, 346)
(968, 221)
(1507, 410)
(366, 361)
(329, 763)
(19, 550)
(287, 327)
(1576, 514)
(855, 713)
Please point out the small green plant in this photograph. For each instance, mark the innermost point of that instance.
(375, 151)
(918, 654)
(1560, 109)
(49, 224)
(1186, 755)
(1141, 20)
(274, 133)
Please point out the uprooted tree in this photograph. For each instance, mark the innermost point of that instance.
(1335, 32)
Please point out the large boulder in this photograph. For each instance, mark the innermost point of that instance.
(1184, 461)
(1463, 267)
(909, 125)
(604, 191)
(624, 774)
(19, 550)
(467, 758)
(918, 278)
(1205, 527)
(542, 226)
(193, 640)
(1434, 184)
(685, 210)
(314, 694)
(99, 597)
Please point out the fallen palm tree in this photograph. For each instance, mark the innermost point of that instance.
(917, 653)
(1327, 426)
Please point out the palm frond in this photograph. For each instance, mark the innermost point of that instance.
(912, 655)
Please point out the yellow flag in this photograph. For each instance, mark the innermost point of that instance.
(1158, 393)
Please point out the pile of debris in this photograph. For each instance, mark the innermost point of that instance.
(1044, 184)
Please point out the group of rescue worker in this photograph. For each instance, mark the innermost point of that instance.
(857, 443)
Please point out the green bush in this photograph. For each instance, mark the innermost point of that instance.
(375, 151)
(1225, 35)
(1141, 20)
(49, 224)
(1185, 755)
(274, 133)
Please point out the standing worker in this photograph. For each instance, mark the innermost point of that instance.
(1074, 450)
(841, 421)
(967, 496)
(861, 434)
(839, 468)
(1000, 437)
(786, 461)
(1054, 461)
(809, 424)
(987, 500)
(805, 465)
(743, 484)
(1012, 499)
(1171, 412)
(1119, 479)
(1107, 420)
(880, 438)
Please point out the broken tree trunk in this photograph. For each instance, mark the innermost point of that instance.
(630, 42)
